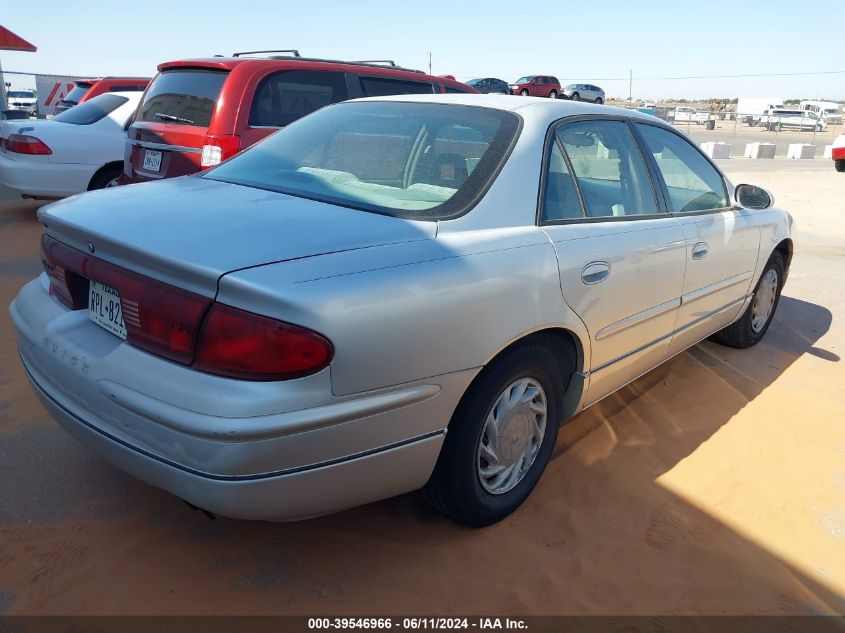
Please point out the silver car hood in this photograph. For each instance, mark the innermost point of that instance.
(190, 231)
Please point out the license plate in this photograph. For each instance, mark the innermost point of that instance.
(104, 309)
(152, 160)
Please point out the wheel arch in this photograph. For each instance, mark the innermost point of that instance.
(110, 165)
(784, 247)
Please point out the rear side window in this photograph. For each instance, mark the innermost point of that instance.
(286, 96)
(383, 86)
(451, 90)
(609, 169)
(92, 110)
(187, 97)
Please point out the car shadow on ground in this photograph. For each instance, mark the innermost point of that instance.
(600, 534)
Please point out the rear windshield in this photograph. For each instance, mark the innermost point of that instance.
(76, 94)
(92, 110)
(414, 160)
(20, 94)
(186, 97)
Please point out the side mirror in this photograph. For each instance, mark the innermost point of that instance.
(753, 197)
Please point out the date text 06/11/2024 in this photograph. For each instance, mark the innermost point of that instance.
(417, 623)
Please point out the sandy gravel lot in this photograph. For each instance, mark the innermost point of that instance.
(713, 485)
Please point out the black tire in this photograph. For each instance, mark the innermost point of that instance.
(575, 96)
(553, 94)
(740, 333)
(523, 92)
(105, 176)
(455, 487)
(599, 100)
(839, 164)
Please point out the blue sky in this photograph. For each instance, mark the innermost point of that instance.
(595, 41)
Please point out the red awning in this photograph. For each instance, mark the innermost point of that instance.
(11, 42)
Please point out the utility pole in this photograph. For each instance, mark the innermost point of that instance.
(429, 63)
(630, 83)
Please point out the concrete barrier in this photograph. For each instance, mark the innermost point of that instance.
(828, 151)
(801, 150)
(760, 150)
(717, 150)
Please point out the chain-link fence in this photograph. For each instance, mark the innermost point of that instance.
(24, 95)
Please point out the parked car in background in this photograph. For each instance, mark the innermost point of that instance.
(306, 327)
(688, 115)
(838, 152)
(78, 150)
(22, 101)
(490, 85)
(778, 119)
(584, 92)
(199, 112)
(750, 109)
(536, 86)
(89, 88)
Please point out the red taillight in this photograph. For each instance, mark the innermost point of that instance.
(218, 147)
(244, 345)
(23, 144)
(165, 320)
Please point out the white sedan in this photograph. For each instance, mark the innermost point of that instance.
(78, 150)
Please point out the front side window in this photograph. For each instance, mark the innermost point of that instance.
(289, 95)
(92, 110)
(693, 183)
(524, 80)
(609, 169)
(414, 160)
(384, 86)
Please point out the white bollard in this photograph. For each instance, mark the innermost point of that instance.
(717, 150)
(828, 151)
(760, 150)
(801, 150)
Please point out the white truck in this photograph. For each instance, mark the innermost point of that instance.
(691, 115)
(750, 109)
(829, 111)
(779, 118)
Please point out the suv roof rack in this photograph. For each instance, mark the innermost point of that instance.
(287, 50)
(372, 63)
(389, 62)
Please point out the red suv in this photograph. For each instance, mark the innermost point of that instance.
(536, 86)
(197, 113)
(89, 88)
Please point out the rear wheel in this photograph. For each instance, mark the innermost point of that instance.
(106, 177)
(754, 322)
(839, 164)
(500, 437)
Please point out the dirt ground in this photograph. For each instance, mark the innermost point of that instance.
(713, 485)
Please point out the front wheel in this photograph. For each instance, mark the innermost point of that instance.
(575, 96)
(839, 164)
(599, 100)
(523, 92)
(500, 437)
(553, 94)
(754, 322)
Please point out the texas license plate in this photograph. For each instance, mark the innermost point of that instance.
(152, 160)
(104, 309)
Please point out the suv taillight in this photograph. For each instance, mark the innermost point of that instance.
(185, 327)
(24, 144)
(219, 147)
(240, 344)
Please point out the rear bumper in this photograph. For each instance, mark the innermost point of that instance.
(277, 451)
(43, 178)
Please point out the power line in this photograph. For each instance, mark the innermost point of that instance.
(820, 72)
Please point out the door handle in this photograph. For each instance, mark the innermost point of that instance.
(700, 250)
(595, 272)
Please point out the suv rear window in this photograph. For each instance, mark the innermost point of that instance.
(186, 97)
(92, 110)
(77, 93)
(286, 96)
(384, 86)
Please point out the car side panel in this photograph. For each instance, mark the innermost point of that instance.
(406, 312)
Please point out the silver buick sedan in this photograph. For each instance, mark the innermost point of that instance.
(390, 294)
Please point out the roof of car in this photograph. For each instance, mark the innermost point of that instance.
(538, 105)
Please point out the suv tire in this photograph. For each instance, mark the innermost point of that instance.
(524, 92)
(553, 94)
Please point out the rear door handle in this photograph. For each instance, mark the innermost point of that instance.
(595, 272)
(700, 250)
